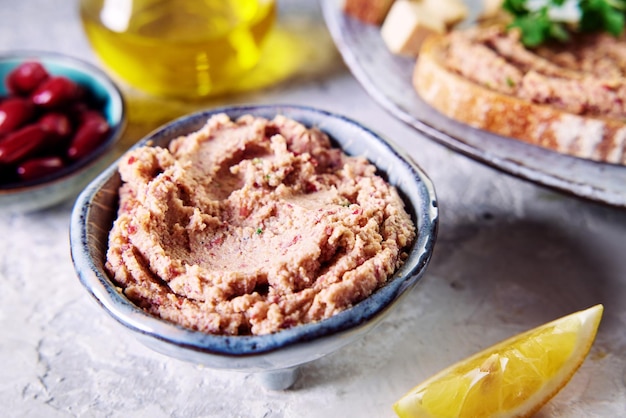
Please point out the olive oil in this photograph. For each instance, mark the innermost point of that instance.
(179, 48)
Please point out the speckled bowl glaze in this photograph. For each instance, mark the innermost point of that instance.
(275, 356)
(29, 196)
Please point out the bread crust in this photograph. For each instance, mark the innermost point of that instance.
(596, 138)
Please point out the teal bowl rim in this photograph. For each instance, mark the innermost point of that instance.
(111, 299)
(116, 116)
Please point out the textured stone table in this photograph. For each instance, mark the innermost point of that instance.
(510, 255)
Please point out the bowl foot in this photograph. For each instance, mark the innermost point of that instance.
(281, 379)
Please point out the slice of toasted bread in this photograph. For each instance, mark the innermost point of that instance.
(591, 137)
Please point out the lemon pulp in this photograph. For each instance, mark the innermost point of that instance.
(512, 378)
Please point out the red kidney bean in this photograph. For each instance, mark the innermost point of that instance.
(46, 123)
(91, 133)
(26, 77)
(39, 167)
(14, 113)
(55, 92)
(57, 124)
(88, 114)
(59, 129)
(22, 143)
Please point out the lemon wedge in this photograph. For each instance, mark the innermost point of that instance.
(513, 378)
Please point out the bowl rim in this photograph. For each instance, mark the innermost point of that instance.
(115, 94)
(112, 300)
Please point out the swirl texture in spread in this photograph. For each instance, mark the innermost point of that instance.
(252, 226)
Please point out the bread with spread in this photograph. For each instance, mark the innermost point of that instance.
(568, 97)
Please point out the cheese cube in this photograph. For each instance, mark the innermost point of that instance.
(407, 24)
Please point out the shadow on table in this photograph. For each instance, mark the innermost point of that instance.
(533, 269)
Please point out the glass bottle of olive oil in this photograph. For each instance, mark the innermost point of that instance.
(179, 48)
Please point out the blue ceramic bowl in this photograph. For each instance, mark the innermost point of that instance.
(278, 355)
(62, 185)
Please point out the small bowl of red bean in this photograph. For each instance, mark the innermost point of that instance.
(59, 119)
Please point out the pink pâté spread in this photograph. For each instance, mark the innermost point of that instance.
(252, 226)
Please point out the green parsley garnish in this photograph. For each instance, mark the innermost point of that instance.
(543, 20)
(259, 231)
